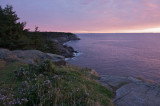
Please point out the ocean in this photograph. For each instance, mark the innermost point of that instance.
(119, 54)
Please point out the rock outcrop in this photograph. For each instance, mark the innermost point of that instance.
(30, 56)
(130, 91)
(65, 50)
(59, 38)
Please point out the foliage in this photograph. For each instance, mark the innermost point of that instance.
(50, 47)
(12, 32)
(50, 85)
(13, 35)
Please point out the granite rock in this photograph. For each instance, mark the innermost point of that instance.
(130, 91)
(30, 56)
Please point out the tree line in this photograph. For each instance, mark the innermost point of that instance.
(13, 34)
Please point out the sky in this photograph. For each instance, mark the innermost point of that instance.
(89, 16)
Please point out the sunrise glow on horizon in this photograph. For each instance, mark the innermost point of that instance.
(89, 16)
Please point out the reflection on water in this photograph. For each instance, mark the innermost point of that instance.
(120, 54)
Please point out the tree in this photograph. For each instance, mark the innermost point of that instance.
(12, 32)
(37, 40)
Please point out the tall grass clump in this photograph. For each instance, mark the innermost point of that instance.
(49, 85)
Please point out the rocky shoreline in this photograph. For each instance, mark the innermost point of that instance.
(131, 91)
(36, 56)
(59, 39)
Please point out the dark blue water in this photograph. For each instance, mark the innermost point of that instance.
(120, 54)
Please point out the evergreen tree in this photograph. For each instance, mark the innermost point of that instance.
(12, 32)
(14, 36)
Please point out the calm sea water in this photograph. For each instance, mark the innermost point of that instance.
(119, 54)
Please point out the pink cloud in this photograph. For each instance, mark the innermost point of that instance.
(86, 2)
(88, 15)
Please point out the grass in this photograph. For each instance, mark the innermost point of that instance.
(51, 85)
(7, 70)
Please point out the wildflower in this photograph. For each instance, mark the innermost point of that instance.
(21, 69)
(55, 76)
(25, 84)
(41, 75)
(47, 83)
(24, 99)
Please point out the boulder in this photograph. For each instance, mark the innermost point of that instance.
(65, 50)
(30, 56)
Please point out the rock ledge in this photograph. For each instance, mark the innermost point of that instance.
(130, 91)
(30, 56)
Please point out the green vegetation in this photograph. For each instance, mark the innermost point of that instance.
(13, 34)
(47, 84)
(7, 70)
